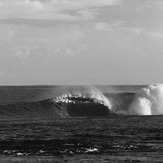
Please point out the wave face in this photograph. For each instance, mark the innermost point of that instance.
(40, 109)
(86, 101)
(59, 107)
(84, 105)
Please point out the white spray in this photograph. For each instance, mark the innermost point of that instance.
(87, 91)
(97, 94)
(148, 101)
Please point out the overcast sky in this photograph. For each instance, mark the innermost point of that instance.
(81, 42)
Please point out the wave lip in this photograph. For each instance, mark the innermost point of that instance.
(83, 105)
(84, 98)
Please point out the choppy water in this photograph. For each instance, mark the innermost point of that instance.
(114, 138)
(38, 124)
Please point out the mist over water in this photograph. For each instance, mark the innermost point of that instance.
(148, 101)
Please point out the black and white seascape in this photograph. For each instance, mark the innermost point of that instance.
(81, 123)
(81, 81)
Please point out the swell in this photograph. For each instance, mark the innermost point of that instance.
(76, 106)
(49, 109)
(40, 109)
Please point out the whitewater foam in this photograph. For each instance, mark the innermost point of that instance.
(148, 101)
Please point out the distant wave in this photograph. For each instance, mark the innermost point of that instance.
(59, 107)
(146, 101)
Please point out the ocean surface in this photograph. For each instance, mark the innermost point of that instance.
(81, 124)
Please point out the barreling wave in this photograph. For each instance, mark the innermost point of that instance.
(147, 101)
(87, 105)
(52, 109)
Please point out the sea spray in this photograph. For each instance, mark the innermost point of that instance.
(140, 106)
(91, 92)
(148, 101)
(93, 96)
(98, 95)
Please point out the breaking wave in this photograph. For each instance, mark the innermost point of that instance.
(147, 101)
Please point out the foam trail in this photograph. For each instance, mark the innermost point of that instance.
(148, 101)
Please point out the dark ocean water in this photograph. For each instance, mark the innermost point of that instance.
(113, 139)
(37, 124)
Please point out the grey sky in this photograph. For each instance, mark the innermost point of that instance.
(81, 41)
